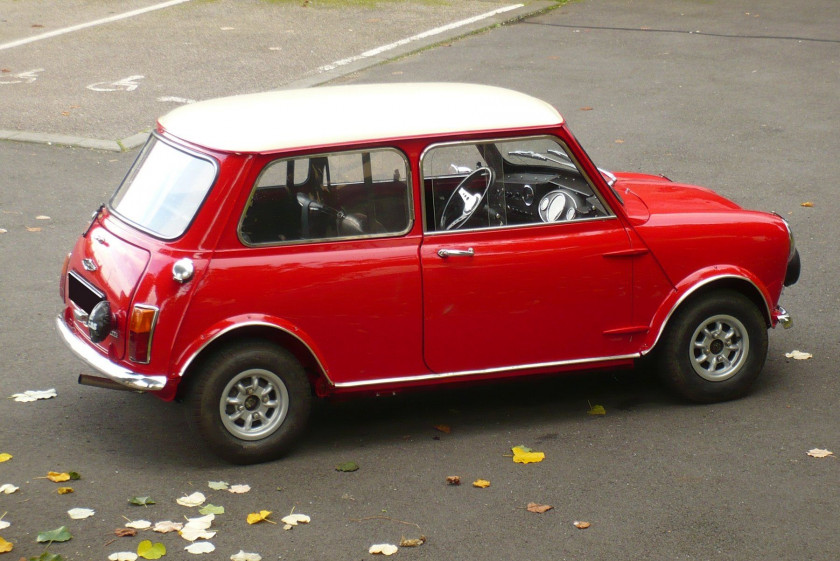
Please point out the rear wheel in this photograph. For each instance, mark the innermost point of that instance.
(714, 347)
(250, 402)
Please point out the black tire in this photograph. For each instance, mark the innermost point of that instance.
(250, 402)
(714, 347)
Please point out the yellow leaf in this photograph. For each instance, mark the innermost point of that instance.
(58, 477)
(538, 508)
(6, 547)
(597, 410)
(581, 525)
(65, 490)
(807, 204)
(522, 455)
(481, 483)
(4, 457)
(255, 517)
(820, 453)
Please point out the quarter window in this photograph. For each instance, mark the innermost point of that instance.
(329, 196)
(505, 182)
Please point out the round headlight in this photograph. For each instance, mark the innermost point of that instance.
(99, 321)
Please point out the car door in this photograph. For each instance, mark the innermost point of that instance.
(504, 288)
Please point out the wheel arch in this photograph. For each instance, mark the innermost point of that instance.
(692, 291)
(255, 330)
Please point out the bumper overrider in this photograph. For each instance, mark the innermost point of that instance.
(114, 376)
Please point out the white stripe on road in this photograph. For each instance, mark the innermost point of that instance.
(425, 34)
(73, 28)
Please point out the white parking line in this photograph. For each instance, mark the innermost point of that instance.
(424, 35)
(73, 28)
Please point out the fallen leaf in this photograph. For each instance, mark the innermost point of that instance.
(4, 524)
(586, 108)
(4, 457)
(383, 548)
(295, 519)
(820, 453)
(446, 429)
(453, 480)
(125, 532)
(807, 204)
(3, 231)
(46, 556)
(65, 490)
(799, 355)
(218, 485)
(538, 508)
(123, 556)
(139, 524)
(196, 499)
(596, 410)
(32, 229)
(80, 513)
(192, 534)
(167, 526)
(200, 547)
(260, 516)
(415, 542)
(524, 455)
(239, 489)
(57, 477)
(212, 509)
(60, 534)
(148, 550)
(8, 488)
(581, 525)
(6, 547)
(347, 466)
(42, 217)
(481, 483)
(141, 501)
(619, 141)
(34, 395)
(243, 556)
(74, 476)
(201, 522)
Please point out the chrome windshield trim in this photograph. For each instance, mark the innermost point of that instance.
(100, 363)
(464, 373)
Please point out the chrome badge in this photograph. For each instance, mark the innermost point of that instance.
(89, 264)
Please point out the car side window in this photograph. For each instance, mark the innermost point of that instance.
(329, 196)
(505, 183)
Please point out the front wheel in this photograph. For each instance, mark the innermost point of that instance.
(714, 347)
(250, 402)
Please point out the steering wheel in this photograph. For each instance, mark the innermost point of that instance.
(469, 202)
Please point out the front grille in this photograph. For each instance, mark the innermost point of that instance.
(82, 293)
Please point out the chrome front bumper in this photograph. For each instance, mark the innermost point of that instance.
(120, 375)
(782, 318)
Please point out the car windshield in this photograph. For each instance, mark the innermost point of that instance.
(164, 189)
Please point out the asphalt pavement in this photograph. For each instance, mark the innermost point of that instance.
(738, 96)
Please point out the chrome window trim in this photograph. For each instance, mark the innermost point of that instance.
(484, 371)
(409, 180)
(693, 290)
(175, 146)
(595, 191)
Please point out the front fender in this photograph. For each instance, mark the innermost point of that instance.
(704, 280)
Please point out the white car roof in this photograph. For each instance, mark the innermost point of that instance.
(285, 119)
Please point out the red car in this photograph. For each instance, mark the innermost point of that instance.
(267, 249)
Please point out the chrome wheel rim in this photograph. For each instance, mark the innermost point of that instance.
(254, 404)
(719, 348)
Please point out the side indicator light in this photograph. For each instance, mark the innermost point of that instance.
(141, 329)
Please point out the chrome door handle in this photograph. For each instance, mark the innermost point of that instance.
(456, 252)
